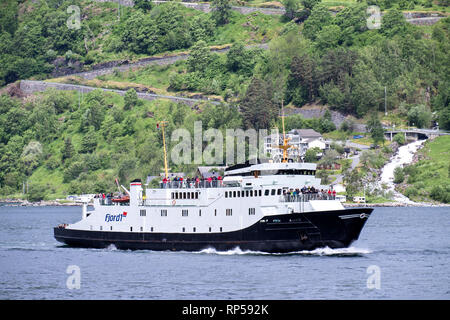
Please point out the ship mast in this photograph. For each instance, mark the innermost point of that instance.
(285, 146)
(163, 124)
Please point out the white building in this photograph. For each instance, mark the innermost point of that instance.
(300, 140)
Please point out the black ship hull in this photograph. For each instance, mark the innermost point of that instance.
(275, 234)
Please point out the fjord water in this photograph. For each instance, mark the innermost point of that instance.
(405, 250)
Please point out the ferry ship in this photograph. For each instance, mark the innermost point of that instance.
(256, 206)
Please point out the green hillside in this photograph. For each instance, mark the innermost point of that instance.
(429, 178)
(65, 142)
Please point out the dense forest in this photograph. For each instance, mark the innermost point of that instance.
(64, 142)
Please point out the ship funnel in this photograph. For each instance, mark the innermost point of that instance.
(135, 192)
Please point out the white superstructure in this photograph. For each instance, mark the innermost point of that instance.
(246, 194)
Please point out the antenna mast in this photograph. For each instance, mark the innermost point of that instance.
(163, 124)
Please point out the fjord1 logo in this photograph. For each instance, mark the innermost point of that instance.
(115, 217)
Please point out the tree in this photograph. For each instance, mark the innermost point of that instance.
(291, 7)
(319, 18)
(301, 83)
(258, 107)
(221, 11)
(419, 116)
(311, 154)
(89, 143)
(68, 150)
(31, 156)
(144, 5)
(329, 158)
(130, 99)
(375, 129)
(393, 23)
(199, 57)
(399, 175)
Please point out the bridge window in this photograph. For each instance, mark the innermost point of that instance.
(163, 212)
(251, 211)
(229, 212)
(184, 213)
(143, 213)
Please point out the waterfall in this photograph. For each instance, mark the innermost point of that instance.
(403, 156)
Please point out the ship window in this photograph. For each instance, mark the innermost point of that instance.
(234, 194)
(110, 228)
(131, 228)
(273, 192)
(229, 212)
(172, 195)
(200, 212)
(101, 228)
(143, 212)
(184, 213)
(215, 212)
(183, 229)
(209, 229)
(184, 195)
(226, 194)
(196, 195)
(193, 229)
(142, 229)
(251, 211)
(151, 229)
(176, 195)
(266, 192)
(239, 193)
(188, 195)
(163, 212)
(260, 193)
(251, 193)
(220, 229)
(279, 192)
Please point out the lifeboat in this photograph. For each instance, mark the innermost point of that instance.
(121, 199)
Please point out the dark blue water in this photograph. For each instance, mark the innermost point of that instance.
(409, 247)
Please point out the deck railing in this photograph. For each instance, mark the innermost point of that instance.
(304, 197)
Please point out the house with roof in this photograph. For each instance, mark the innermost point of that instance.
(300, 140)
